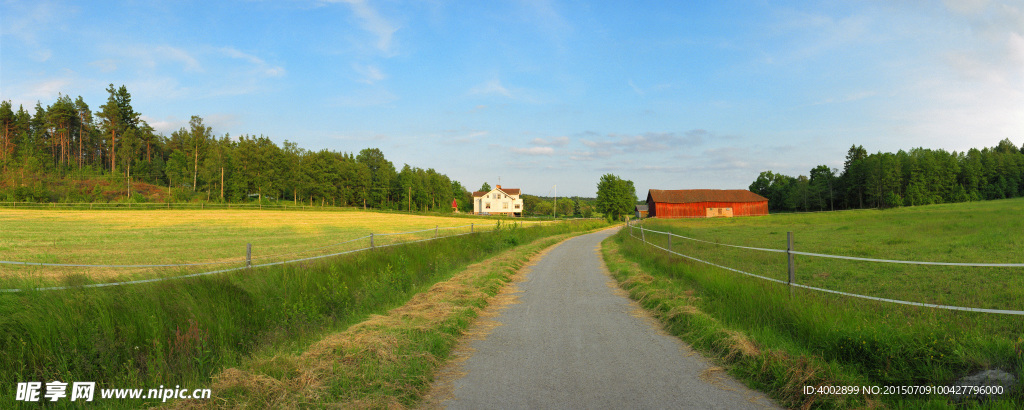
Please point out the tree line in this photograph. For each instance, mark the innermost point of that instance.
(67, 138)
(905, 178)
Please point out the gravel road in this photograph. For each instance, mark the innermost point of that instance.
(574, 340)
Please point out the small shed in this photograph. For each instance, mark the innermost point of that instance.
(640, 211)
(704, 203)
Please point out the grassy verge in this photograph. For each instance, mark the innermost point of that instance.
(778, 343)
(183, 331)
(387, 361)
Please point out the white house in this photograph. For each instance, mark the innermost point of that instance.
(499, 201)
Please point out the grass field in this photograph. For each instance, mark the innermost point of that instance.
(979, 232)
(156, 237)
(780, 341)
(180, 332)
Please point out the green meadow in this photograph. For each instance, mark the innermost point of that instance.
(780, 340)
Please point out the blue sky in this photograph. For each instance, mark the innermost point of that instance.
(542, 93)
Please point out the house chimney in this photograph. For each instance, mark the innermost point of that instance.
(499, 186)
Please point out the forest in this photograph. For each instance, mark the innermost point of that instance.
(907, 178)
(66, 152)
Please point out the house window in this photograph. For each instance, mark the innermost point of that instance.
(505, 205)
(488, 205)
(517, 206)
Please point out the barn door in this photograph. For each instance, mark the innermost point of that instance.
(718, 212)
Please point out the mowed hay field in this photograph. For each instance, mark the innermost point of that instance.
(164, 237)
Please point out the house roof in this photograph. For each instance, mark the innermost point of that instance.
(642, 208)
(507, 191)
(684, 196)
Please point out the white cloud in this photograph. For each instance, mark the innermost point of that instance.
(968, 92)
(48, 89)
(554, 142)
(166, 125)
(175, 54)
(646, 142)
(534, 150)
(372, 22)
(152, 56)
(259, 64)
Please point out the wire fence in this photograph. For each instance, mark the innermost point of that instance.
(636, 227)
(367, 242)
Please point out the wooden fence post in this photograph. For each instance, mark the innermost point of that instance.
(248, 255)
(669, 236)
(792, 267)
(371, 240)
(435, 231)
(470, 228)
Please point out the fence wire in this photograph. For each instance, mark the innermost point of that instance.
(875, 298)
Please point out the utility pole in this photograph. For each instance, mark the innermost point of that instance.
(554, 208)
(410, 198)
(195, 168)
(221, 183)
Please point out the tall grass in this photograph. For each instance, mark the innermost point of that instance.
(780, 341)
(180, 332)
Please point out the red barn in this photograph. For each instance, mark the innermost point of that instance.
(704, 203)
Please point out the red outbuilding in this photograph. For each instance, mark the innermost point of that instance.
(704, 203)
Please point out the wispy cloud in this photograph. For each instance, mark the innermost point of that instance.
(48, 89)
(152, 56)
(492, 86)
(259, 65)
(646, 142)
(165, 125)
(26, 20)
(371, 21)
(554, 142)
(369, 74)
(534, 150)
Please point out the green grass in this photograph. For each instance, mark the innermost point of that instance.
(180, 332)
(811, 338)
(980, 232)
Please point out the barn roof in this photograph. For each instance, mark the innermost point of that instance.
(683, 196)
(641, 208)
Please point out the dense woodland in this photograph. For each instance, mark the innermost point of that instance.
(884, 180)
(46, 154)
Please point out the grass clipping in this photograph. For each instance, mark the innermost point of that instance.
(385, 361)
